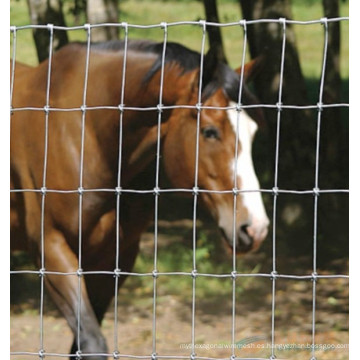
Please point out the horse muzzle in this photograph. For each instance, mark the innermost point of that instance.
(248, 237)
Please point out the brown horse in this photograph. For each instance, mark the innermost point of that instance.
(65, 173)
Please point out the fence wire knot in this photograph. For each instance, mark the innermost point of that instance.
(242, 23)
(283, 22)
(154, 356)
(78, 354)
(41, 354)
(238, 107)
(275, 191)
(316, 191)
(202, 23)
(195, 191)
(47, 109)
(233, 275)
(125, 26)
(314, 276)
(42, 272)
(117, 272)
(121, 107)
(116, 354)
(324, 21)
(118, 190)
(160, 108)
(194, 274)
(80, 190)
(235, 191)
(320, 106)
(274, 275)
(13, 29)
(273, 357)
(43, 190)
(79, 272)
(87, 28)
(155, 274)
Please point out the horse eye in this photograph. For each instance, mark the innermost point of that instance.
(210, 132)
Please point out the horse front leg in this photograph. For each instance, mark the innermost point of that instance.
(100, 287)
(70, 295)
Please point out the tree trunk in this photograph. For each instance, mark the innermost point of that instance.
(44, 12)
(215, 39)
(267, 38)
(103, 11)
(334, 150)
(332, 83)
(296, 165)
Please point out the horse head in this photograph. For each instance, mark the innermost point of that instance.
(224, 167)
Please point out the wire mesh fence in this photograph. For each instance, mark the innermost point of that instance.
(196, 191)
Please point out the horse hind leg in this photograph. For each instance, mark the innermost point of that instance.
(64, 290)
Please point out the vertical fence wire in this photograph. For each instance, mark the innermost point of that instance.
(276, 187)
(235, 189)
(196, 184)
(81, 186)
(118, 191)
(316, 187)
(156, 189)
(195, 191)
(43, 192)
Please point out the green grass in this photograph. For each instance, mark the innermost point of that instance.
(310, 38)
(175, 257)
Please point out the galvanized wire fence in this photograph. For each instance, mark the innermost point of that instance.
(119, 190)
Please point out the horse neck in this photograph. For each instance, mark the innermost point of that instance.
(140, 129)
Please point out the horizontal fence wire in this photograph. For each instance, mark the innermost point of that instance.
(118, 191)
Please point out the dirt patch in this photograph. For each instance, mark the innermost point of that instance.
(212, 330)
(213, 315)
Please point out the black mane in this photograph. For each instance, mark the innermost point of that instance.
(186, 58)
(222, 76)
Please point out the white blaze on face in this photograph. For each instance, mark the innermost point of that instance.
(244, 168)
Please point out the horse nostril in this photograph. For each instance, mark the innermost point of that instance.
(244, 228)
(244, 231)
(245, 242)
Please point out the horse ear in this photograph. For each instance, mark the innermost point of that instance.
(252, 68)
